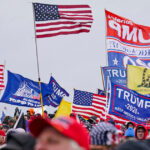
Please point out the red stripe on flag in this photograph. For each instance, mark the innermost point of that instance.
(62, 33)
(73, 6)
(63, 27)
(75, 18)
(59, 23)
(76, 12)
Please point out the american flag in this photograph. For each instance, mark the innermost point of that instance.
(2, 77)
(53, 20)
(87, 104)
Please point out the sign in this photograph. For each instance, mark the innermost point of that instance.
(128, 104)
(116, 75)
(127, 42)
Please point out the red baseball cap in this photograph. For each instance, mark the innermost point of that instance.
(65, 125)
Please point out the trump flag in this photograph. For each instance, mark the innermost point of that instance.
(127, 42)
(115, 74)
(24, 92)
(128, 104)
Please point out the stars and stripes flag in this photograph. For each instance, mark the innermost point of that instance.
(87, 104)
(2, 77)
(53, 20)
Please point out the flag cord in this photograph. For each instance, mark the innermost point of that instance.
(37, 58)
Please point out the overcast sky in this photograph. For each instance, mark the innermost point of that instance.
(73, 60)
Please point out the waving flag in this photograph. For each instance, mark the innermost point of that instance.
(139, 79)
(2, 77)
(127, 42)
(87, 104)
(115, 74)
(53, 20)
(20, 123)
(24, 92)
(64, 109)
(57, 93)
(128, 104)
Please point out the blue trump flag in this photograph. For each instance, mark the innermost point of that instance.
(24, 92)
(116, 75)
(128, 104)
(57, 93)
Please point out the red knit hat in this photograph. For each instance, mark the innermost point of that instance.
(65, 125)
(2, 133)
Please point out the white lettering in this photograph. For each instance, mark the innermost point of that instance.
(119, 93)
(129, 35)
(116, 26)
(141, 38)
(147, 104)
(134, 35)
(131, 99)
(115, 72)
(126, 95)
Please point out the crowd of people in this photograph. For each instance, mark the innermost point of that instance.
(36, 132)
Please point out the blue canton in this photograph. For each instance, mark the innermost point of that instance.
(44, 12)
(83, 98)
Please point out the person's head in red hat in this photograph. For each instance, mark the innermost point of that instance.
(141, 132)
(2, 137)
(59, 134)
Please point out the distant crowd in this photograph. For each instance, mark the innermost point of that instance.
(32, 131)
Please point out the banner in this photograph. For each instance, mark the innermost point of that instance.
(139, 79)
(116, 75)
(24, 92)
(127, 42)
(57, 93)
(128, 104)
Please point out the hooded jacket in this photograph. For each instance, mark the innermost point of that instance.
(130, 122)
(141, 126)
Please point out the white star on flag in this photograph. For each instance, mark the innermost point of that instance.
(115, 61)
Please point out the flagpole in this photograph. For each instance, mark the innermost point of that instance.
(107, 93)
(37, 58)
(102, 79)
(18, 120)
(106, 38)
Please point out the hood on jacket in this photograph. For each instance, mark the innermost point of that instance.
(141, 126)
(130, 122)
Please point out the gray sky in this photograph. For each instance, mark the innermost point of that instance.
(73, 60)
